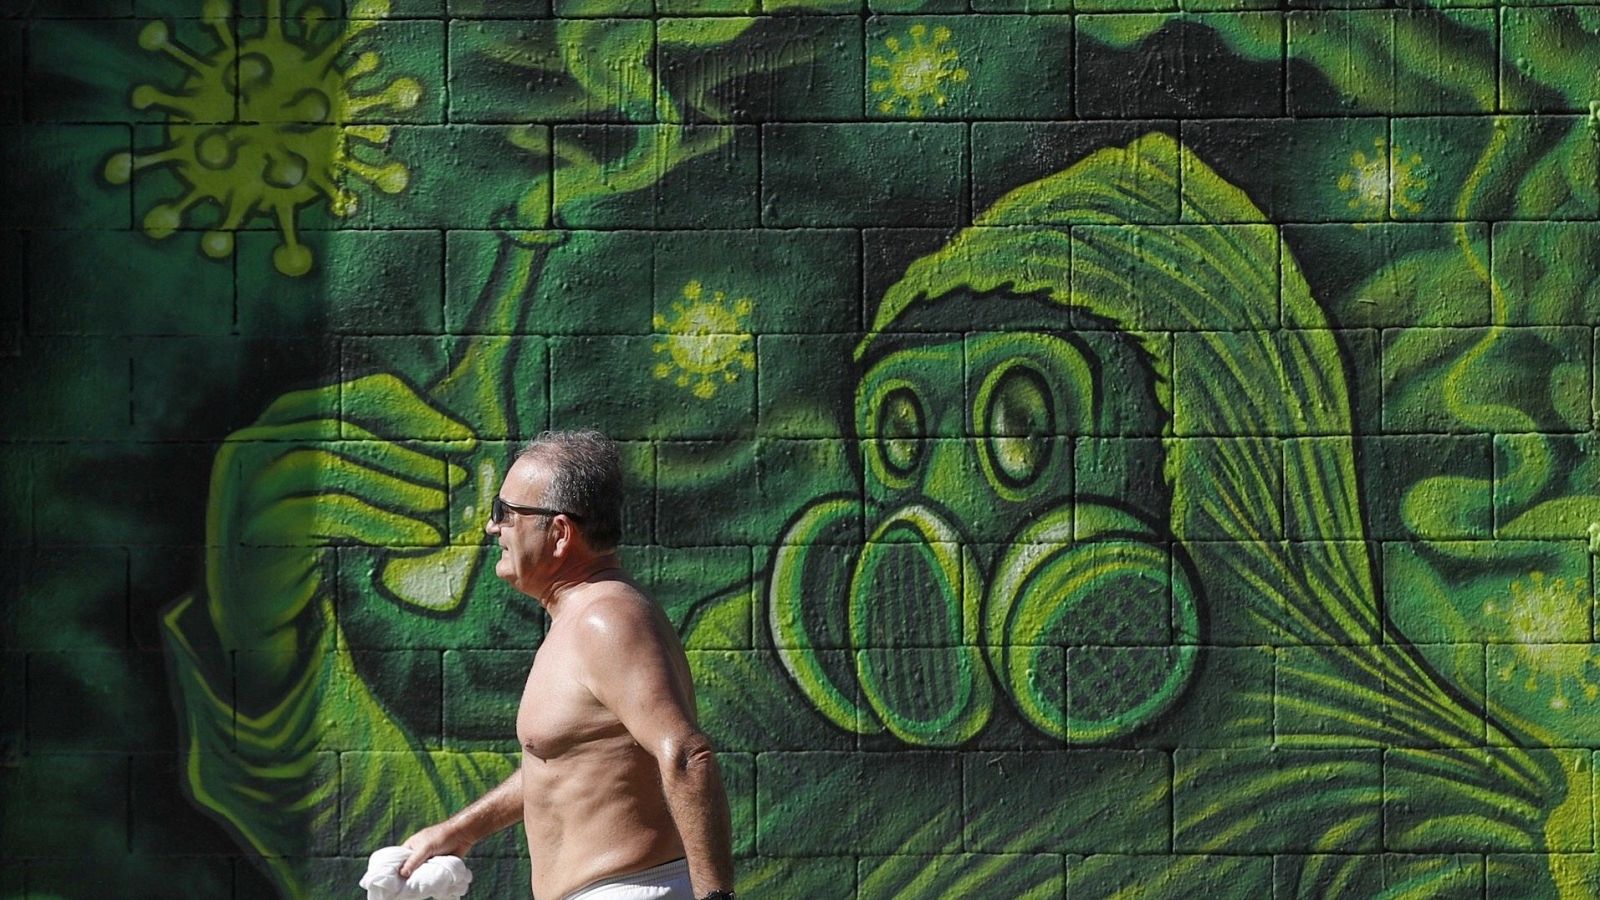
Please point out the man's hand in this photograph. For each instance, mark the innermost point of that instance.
(319, 467)
(500, 808)
(435, 840)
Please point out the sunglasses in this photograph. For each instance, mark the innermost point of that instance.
(498, 509)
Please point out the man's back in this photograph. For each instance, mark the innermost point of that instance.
(592, 797)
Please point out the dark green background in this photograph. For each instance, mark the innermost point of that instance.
(1311, 291)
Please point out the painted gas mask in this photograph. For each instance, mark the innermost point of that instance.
(977, 565)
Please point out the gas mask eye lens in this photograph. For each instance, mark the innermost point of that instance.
(901, 429)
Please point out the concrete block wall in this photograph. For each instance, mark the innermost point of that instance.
(1089, 447)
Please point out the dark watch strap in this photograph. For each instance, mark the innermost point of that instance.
(718, 895)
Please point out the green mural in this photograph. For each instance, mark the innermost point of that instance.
(1092, 448)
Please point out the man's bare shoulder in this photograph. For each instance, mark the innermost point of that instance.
(618, 610)
(631, 659)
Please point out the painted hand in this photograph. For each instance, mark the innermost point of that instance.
(319, 468)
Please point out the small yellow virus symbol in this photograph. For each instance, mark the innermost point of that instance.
(1385, 180)
(705, 344)
(257, 128)
(1536, 608)
(916, 73)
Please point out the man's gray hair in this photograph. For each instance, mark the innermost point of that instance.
(585, 479)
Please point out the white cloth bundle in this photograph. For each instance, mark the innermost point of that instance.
(440, 878)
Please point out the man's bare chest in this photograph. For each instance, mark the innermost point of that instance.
(558, 713)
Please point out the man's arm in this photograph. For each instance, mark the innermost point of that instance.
(635, 677)
(455, 836)
(692, 782)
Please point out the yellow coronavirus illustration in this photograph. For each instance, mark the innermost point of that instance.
(1385, 181)
(916, 71)
(259, 128)
(1566, 672)
(704, 344)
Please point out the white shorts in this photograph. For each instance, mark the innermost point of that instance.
(668, 881)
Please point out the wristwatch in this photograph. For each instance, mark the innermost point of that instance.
(718, 895)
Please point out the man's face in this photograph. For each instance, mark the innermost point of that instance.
(523, 539)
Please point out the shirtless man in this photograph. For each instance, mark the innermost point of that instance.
(618, 788)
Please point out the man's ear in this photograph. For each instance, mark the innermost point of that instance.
(562, 532)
